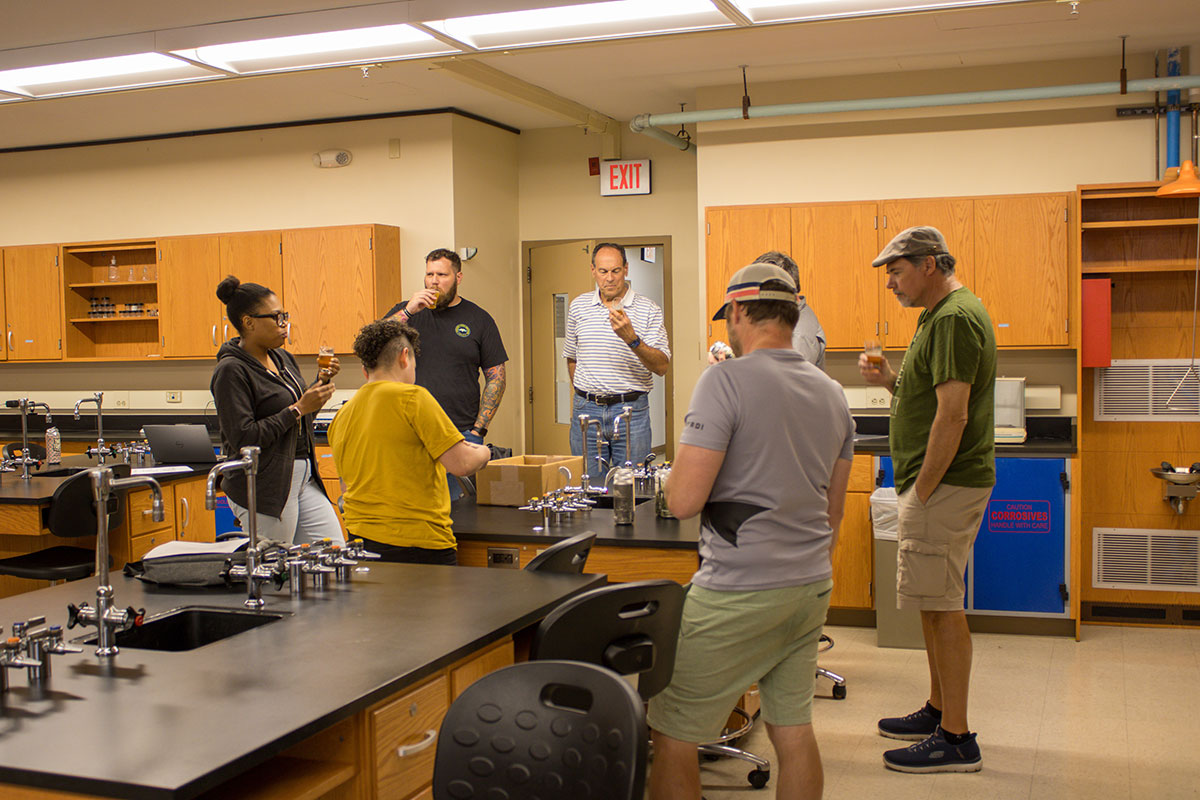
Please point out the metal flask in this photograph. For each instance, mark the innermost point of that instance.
(619, 483)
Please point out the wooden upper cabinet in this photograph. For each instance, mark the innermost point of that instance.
(833, 245)
(33, 303)
(1020, 269)
(735, 237)
(253, 257)
(336, 280)
(3, 317)
(189, 312)
(955, 219)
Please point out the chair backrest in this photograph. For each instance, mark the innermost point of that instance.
(556, 730)
(72, 511)
(569, 555)
(13, 449)
(630, 628)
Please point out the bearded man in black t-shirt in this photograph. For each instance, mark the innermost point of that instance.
(458, 339)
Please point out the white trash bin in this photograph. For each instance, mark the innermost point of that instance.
(893, 627)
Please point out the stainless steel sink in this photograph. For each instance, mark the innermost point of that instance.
(190, 627)
(61, 472)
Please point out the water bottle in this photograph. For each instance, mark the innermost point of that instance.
(53, 446)
(619, 483)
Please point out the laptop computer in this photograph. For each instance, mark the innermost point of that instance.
(180, 444)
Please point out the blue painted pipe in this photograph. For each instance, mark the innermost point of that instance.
(1173, 71)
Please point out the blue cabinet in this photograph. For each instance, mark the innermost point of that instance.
(1018, 564)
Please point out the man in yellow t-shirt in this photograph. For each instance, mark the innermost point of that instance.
(393, 445)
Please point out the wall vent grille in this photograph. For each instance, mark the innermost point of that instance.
(1136, 390)
(1146, 559)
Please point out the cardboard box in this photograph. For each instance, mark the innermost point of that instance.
(512, 481)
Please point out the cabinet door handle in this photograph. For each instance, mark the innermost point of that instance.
(289, 333)
(405, 750)
(10, 344)
(214, 336)
(225, 333)
(187, 512)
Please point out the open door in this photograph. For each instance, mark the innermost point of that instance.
(558, 274)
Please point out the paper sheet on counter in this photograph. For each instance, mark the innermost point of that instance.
(161, 470)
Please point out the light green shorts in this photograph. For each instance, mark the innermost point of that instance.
(731, 640)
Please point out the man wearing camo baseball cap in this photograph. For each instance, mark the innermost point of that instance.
(942, 441)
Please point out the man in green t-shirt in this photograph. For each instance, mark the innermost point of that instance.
(942, 437)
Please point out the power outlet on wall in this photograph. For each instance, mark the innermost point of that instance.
(878, 398)
(121, 402)
(175, 396)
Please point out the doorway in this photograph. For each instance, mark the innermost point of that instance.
(556, 272)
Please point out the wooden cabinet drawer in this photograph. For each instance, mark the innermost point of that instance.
(140, 545)
(470, 671)
(425, 794)
(140, 519)
(410, 721)
(862, 474)
(325, 466)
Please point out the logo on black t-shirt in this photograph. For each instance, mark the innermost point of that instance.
(462, 330)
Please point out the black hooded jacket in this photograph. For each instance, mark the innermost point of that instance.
(253, 409)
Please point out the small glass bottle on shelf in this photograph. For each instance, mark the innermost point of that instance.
(112, 270)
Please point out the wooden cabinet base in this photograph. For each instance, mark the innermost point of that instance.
(620, 564)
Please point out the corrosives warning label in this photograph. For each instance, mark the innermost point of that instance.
(1018, 516)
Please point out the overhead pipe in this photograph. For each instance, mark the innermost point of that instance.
(645, 123)
(670, 138)
(1174, 69)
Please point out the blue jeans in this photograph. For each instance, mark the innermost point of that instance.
(612, 449)
(455, 489)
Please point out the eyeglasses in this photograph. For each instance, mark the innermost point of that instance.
(280, 317)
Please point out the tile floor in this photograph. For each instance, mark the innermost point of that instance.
(1116, 715)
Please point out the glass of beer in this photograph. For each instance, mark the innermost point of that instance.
(324, 362)
(874, 352)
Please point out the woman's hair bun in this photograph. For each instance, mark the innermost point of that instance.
(226, 288)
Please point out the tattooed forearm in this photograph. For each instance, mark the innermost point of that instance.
(493, 390)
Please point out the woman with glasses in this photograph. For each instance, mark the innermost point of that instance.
(262, 400)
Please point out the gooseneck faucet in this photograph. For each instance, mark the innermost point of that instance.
(626, 416)
(98, 399)
(254, 573)
(26, 405)
(107, 618)
(585, 425)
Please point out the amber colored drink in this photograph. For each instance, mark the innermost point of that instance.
(325, 361)
(876, 361)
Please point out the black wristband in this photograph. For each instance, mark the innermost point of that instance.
(478, 431)
(636, 341)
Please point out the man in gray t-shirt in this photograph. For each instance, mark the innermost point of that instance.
(808, 337)
(764, 458)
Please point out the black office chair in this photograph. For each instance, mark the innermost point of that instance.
(569, 555)
(13, 449)
(72, 514)
(825, 644)
(633, 629)
(557, 730)
(630, 628)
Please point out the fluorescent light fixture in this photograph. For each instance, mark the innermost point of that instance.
(311, 50)
(607, 20)
(100, 74)
(800, 10)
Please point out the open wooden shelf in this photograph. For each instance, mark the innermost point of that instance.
(105, 284)
(126, 318)
(1140, 223)
(1155, 265)
(1114, 195)
(116, 247)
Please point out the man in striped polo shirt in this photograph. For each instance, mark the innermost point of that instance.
(616, 343)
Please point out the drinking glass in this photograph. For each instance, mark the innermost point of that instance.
(874, 352)
(324, 362)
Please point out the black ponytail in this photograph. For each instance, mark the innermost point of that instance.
(240, 298)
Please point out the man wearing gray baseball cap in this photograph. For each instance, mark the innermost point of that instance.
(942, 439)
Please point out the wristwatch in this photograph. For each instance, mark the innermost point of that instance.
(636, 341)
(480, 432)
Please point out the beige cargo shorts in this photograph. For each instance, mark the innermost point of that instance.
(935, 541)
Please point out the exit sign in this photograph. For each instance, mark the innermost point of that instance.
(625, 177)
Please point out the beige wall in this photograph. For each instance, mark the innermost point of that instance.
(485, 217)
(559, 200)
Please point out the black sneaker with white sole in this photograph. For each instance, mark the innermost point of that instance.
(915, 727)
(935, 754)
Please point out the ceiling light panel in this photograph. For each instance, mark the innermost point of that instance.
(383, 43)
(582, 22)
(800, 10)
(99, 75)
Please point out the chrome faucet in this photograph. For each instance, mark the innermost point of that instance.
(39, 645)
(26, 405)
(585, 424)
(254, 573)
(11, 658)
(99, 450)
(626, 415)
(107, 618)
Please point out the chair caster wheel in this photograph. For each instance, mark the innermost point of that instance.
(839, 692)
(758, 778)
